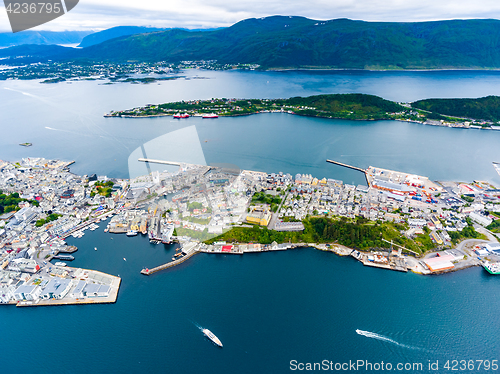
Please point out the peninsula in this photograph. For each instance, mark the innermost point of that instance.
(482, 113)
(399, 221)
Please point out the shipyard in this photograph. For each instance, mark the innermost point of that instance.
(421, 226)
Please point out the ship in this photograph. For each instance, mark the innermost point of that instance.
(179, 115)
(210, 115)
(492, 267)
(131, 233)
(209, 334)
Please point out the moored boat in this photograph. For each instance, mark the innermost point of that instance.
(210, 115)
(131, 233)
(492, 267)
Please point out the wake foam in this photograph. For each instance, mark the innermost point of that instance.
(383, 338)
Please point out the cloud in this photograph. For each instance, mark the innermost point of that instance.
(100, 14)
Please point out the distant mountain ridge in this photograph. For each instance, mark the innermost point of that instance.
(119, 31)
(299, 43)
(115, 32)
(9, 39)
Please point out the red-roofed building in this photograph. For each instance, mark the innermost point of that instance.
(227, 248)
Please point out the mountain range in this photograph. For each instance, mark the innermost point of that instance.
(296, 42)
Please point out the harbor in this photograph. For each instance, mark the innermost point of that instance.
(325, 297)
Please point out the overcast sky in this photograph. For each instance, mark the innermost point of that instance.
(101, 14)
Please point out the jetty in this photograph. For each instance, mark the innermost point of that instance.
(350, 167)
(159, 161)
(189, 250)
(346, 166)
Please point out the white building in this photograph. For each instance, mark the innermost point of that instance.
(27, 292)
(56, 289)
(479, 218)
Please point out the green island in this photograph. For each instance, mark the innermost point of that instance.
(474, 113)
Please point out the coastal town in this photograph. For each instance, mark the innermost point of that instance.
(110, 73)
(409, 222)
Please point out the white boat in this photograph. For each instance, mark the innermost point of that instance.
(95, 248)
(131, 233)
(209, 334)
(60, 264)
(124, 259)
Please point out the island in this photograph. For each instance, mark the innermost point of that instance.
(482, 113)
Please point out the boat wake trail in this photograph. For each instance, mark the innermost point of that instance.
(194, 323)
(383, 338)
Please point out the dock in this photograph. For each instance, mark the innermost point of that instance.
(190, 249)
(350, 167)
(114, 283)
(167, 265)
(159, 161)
(346, 166)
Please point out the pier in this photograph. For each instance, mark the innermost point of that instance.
(350, 167)
(159, 161)
(346, 166)
(168, 264)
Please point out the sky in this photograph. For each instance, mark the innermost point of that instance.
(102, 14)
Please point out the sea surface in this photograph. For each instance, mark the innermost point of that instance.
(269, 308)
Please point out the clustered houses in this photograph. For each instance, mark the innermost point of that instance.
(53, 203)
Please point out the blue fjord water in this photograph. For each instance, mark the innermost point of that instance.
(270, 308)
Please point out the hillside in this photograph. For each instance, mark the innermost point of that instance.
(119, 31)
(297, 42)
(485, 108)
(114, 32)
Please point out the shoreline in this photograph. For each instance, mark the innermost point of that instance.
(338, 249)
(377, 70)
(309, 116)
